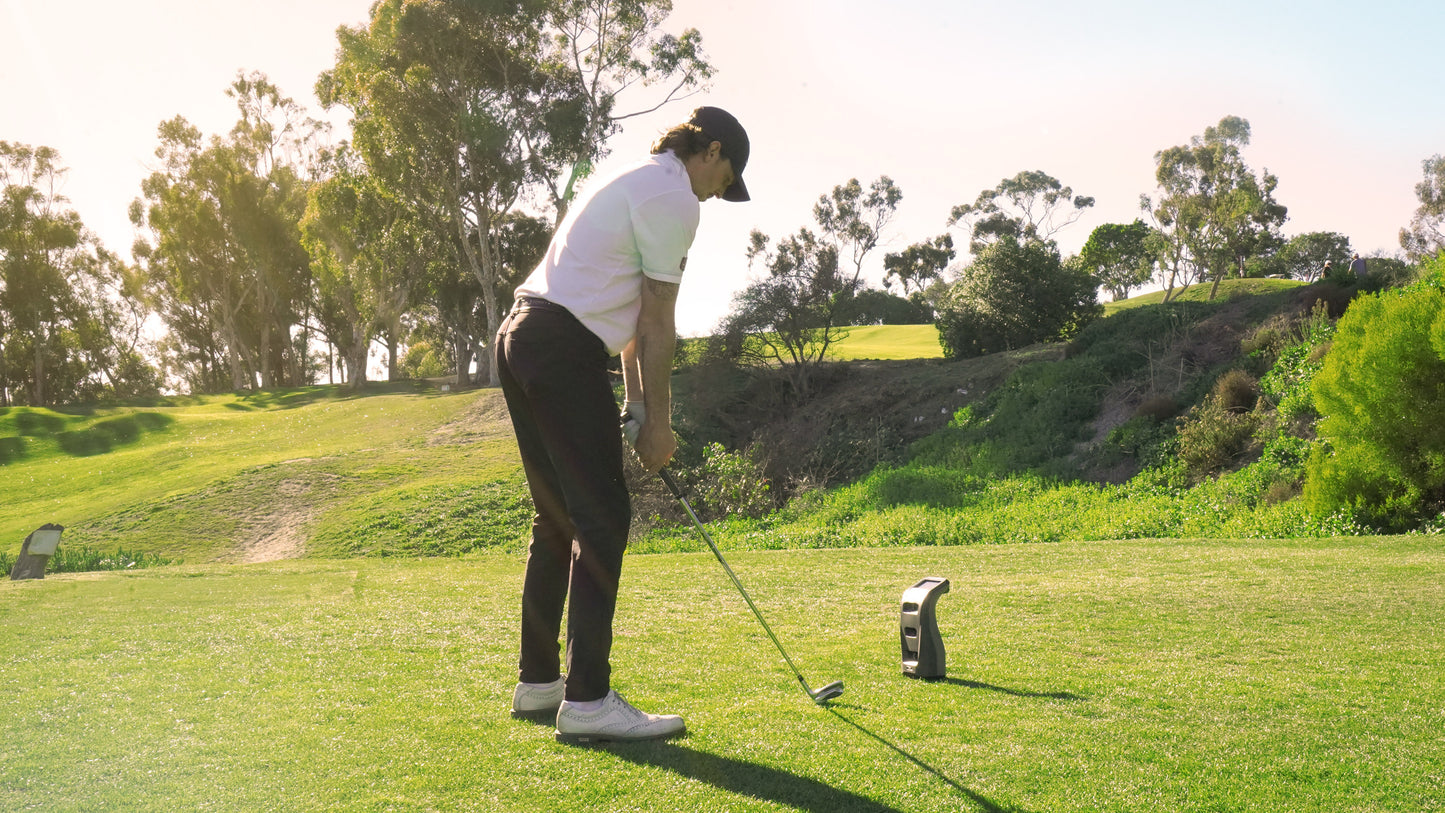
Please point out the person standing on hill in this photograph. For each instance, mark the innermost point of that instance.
(607, 286)
(1357, 265)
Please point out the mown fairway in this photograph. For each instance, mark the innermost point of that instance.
(888, 342)
(1130, 676)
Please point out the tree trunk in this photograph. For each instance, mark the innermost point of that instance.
(392, 343)
(356, 357)
(462, 345)
(39, 389)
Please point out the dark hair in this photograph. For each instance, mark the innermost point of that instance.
(685, 140)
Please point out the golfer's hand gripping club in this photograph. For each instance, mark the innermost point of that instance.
(653, 444)
(820, 696)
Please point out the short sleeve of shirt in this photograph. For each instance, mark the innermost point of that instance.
(664, 226)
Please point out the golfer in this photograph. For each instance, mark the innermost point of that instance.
(607, 286)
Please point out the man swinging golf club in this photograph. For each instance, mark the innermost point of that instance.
(607, 286)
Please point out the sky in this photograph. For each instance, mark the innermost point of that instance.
(946, 97)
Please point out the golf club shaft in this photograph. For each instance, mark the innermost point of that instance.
(677, 492)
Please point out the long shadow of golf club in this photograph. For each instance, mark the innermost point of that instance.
(984, 803)
(974, 684)
(750, 779)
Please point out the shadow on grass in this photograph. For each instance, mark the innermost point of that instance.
(974, 684)
(749, 779)
(984, 803)
(98, 438)
(11, 449)
(301, 396)
(105, 436)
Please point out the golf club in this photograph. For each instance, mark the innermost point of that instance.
(819, 696)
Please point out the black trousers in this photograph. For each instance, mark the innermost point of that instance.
(554, 376)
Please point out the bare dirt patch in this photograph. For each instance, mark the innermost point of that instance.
(487, 418)
(282, 537)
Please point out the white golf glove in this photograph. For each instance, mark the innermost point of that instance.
(634, 415)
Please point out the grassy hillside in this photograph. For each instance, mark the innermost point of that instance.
(1228, 289)
(318, 470)
(410, 470)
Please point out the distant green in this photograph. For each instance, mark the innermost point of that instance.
(888, 342)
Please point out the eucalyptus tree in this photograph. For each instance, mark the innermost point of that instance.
(855, 219)
(279, 147)
(69, 330)
(456, 115)
(621, 66)
(367, 256)
(1304, 255)
(1119, 256)
(919, 265)
(1425, 236)
(1031, 205)
(222, 254)
(794, 314)
(1212, 209)
(788, 318)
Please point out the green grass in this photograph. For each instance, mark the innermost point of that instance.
(202, 478)
(888, 342)
(1189, 675)
(1199, 292)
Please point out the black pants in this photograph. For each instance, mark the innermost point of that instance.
(554, 376)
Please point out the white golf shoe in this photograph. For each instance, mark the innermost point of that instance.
(539, 700)
(616, 721)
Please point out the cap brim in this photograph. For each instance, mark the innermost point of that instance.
(737, 193)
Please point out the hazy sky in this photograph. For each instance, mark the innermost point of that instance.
(946, 97)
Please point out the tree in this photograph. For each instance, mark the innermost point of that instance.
(919, 265)
(224, 265)
(1212, 212)
(789, 317)
(1015, 293)
(794, 314)
(1304, 255)
(871, 306)
(609, 48)
(454, 110)
(1120, 257)
(368, 257)
(69, 327)
(1030, 205)
(855, 221)
(1425, 236)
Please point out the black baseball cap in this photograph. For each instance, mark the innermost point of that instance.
(720, 126)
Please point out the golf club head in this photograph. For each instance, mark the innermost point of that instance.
(827, 693)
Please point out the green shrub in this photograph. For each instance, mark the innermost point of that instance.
(1213, 438)
(1158, 409)
(1236, 391)
(1143, 439)
(422, 360)
(1381, 393)
(69, 559)
(1012, 295)
(924, 485)
(730, 484)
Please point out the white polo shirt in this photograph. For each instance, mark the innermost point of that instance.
(638, 222)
